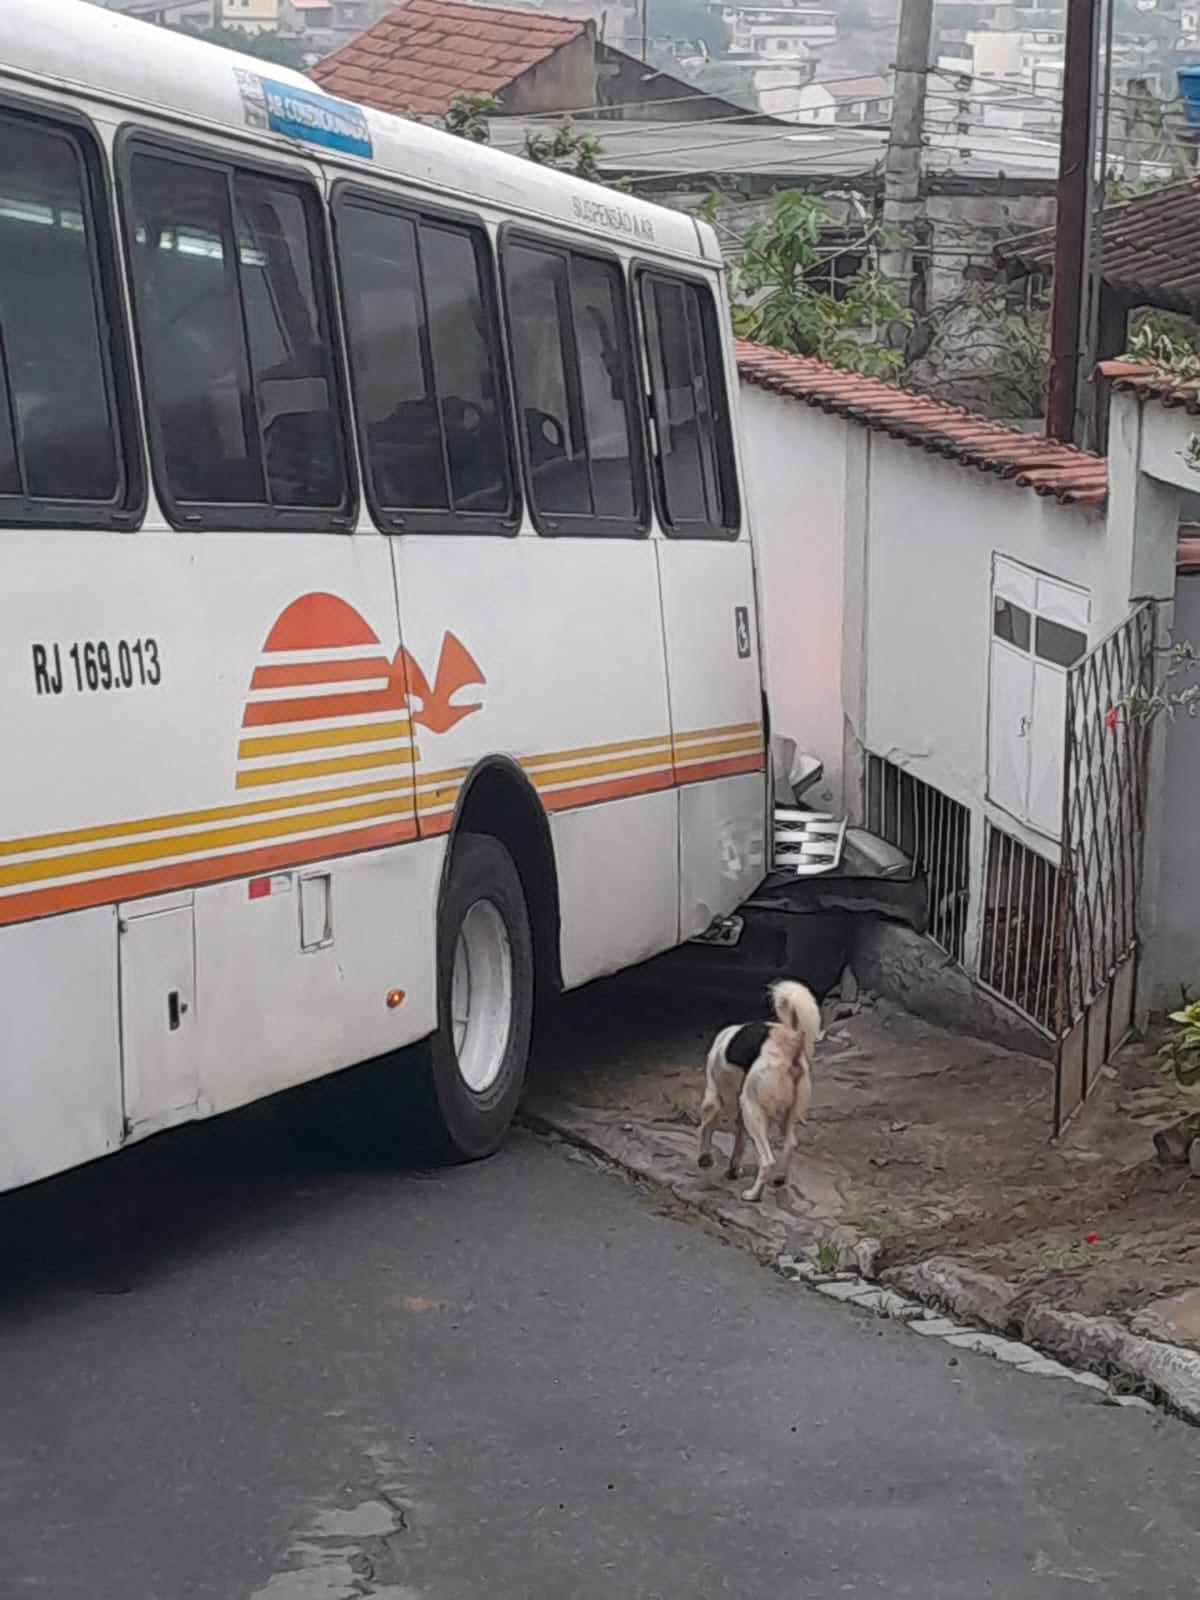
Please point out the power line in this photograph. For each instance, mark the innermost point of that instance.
(699, 93)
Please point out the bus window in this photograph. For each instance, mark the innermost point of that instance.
(696, 481)
(235, 341)
(58, 439)
(575, 390)
(423, 343)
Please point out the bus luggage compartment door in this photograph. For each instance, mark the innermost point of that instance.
(158, 1032)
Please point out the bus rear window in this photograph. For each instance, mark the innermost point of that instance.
(235, 341)
(58, 439)
(696, 481)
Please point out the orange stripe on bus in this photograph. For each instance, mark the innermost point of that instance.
(722, 769)
(299, 673)
(191, 874)
(585, 794)
(315, 708)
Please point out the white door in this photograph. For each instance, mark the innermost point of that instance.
(1039, 631)
(716, 721)
(1047, 737)
(538, 637)
(707, 577)
(1009, 713)
(158, 1015)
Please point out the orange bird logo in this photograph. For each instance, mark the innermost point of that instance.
(456, 669)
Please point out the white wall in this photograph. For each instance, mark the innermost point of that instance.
(933, 529)
(1175, 944)
(875, 563)
(794, 463)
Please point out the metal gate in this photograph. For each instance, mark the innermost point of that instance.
(1096, 922)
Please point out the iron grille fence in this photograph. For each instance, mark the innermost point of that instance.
(1017, 933)
(934, 832)
(1104, 804)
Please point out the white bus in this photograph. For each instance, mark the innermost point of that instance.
(377, 620)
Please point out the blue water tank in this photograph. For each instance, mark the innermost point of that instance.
(1189, 93)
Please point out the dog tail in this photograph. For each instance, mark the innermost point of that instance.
(798, 1010)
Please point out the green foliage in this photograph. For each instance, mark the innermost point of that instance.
(1181, 1052)
(467, 116)
(266, 46)
(566, 150)
(987, 348)
(783, 292)
(559, 147)
(1181, 659)
(1168, 343)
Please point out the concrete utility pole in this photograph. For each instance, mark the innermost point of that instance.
(902, 174)
(1072, 223)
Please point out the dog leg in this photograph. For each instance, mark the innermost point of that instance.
(790, 1138)
(756, 1127)
(710, 1111)
(739, 1148)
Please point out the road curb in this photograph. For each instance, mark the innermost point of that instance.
(1096, 1352)
(1167, 1373)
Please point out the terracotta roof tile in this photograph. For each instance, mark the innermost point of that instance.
(1072, 476)
(1141, 378)
(418, 56)
(1151, 248)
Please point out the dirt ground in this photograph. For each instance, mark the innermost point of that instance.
(929, 1142)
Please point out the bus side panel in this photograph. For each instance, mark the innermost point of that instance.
(333, 966)
(245, 718)
(617, 892)
(60, 1090)
(549, 651)
(716, 714)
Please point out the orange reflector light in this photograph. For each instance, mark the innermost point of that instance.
(395, 998)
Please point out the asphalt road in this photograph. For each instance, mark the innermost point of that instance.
(230, 1370)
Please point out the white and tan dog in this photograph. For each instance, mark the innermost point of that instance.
(758, 1078)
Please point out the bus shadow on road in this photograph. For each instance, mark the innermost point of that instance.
(109, 1227)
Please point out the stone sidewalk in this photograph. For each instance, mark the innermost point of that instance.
(927, 1163)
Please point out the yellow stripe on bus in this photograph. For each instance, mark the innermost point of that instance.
(696, 752)
(574, 771)
(662, 743)
(271, 744)
(398, 755)
(733, 731)
(190, 844)
(192, 819)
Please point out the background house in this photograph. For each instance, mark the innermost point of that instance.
(421, 54)
(936, 589)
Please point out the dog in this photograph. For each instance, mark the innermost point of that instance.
(759, 1077)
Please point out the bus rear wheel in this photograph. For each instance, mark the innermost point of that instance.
(473, 1068)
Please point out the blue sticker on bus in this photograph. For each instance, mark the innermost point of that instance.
(304, 114)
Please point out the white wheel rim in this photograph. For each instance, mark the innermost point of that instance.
(481, 993)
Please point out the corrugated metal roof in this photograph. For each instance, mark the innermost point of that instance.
(1073, 476)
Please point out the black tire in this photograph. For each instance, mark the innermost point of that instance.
(457, 1123)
